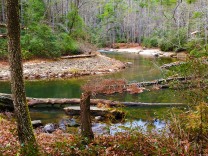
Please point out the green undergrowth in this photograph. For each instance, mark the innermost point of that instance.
(169, 40)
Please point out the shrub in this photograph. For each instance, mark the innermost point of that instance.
(197, 48)
(67, 45)
(150, 42)
(165, 45)
(40, 41)
(3, 49)
(171, 40)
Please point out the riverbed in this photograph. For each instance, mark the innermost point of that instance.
(141, 68)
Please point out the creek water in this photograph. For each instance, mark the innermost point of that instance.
(142, 69)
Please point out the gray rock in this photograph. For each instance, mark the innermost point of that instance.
(68, 122)
(62, 126)
(49, 128)
(100, 129)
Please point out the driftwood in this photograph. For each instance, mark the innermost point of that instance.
(78, 56)
(76, 112)
(161, 81)
(76, 101)
(6, 101)
(95, 111)
(169, 65)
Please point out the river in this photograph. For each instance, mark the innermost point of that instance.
(142, 69)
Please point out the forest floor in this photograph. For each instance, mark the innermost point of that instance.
(63, 143)
(65, 68)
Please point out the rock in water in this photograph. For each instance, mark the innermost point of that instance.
(68, 122)
(73, 123)
(36, 123)
(49, 128)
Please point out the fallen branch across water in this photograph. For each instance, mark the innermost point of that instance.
(6, 101)
(174, 64)
(161, 81)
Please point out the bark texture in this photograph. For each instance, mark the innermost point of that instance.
(25, 131)
(86, 127)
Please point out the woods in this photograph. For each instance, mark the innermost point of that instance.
(67, 25)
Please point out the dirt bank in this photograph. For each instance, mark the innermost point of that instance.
(65, 68)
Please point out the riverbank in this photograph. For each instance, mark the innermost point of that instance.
(149, 52)
(65, 68)
(138, 49)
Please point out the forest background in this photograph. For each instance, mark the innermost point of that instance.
(69, 26)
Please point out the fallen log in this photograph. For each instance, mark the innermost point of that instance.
(6, 100)
(95, 111)
(6, 103)
(78, 56)
(161, 81)
(169, 65)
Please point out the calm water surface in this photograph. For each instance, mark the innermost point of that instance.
(142, 69)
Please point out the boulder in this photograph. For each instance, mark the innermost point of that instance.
(49, 128)
(100, 128)
(68, 122)
(62, 126)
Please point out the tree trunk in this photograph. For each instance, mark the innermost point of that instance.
(3, 11)
(24, 127)
(86, 127)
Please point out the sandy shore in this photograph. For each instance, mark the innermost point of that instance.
(65, 68)
(144, 52)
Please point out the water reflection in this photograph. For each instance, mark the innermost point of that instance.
(142, 69)
(136, 125)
